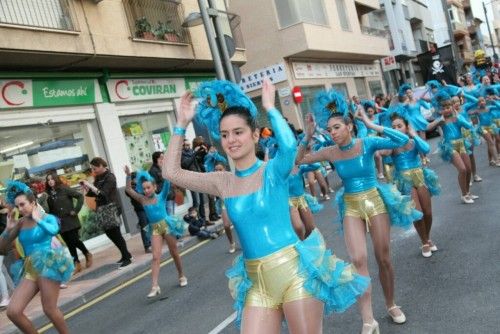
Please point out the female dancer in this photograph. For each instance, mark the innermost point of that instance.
(412, 179)
(221, 167)
(364, 204)
(61, 204)
(161, 225)
(453, 145)
(277, 273)
(45, 268)
(413, 114)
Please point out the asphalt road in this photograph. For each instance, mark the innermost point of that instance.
(457, 290)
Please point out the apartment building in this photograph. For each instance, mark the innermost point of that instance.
(309, 46)
(80, 79)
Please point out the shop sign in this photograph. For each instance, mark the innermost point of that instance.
(46, 93)
(389, 64)
(252, 81)
(121, 90)
(333, 70)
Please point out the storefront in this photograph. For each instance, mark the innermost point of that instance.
(61, 124)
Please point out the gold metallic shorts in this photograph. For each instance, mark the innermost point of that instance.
(458, 146)
(415, 176)
(298, 202)
(29, 271)
(364, 205)
(160, 228)
(466, 133)
(388, 172)
(497, 122)
(275, 279)
(488, 129)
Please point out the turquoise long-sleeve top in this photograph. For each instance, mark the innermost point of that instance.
(358, 173)
(485, 117)
(158, 211)
(409, 159)
(414, 116)
(39, 237)
(296, 181)
(256, 198)
(453, 130)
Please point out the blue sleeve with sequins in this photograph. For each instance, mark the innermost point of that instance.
(421, 145)
(284, 159)
(49, 224)
(393, 139)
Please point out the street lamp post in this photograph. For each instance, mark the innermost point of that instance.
(495, 56)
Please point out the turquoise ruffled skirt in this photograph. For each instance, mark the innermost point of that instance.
(431, 181)
(55, 264)
(328, 278)
(400, 208)
(313, 203)
(177, 227)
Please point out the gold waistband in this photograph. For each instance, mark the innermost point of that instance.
(362, 195)
(272, 260)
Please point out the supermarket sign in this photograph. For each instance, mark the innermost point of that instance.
(121, 90)
(48, 93)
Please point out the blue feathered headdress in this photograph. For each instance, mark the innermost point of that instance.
(368, 104)
(489, 91)
(141, 177)
(403, 88)
(327, 104)
(440, 97)
(216, 96)
(14, 189)
(431, 84)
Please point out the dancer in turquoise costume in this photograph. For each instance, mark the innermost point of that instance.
(302, 205)
(412, 109)
(45, 267)
(453, 146)
(161, 225)
(364, 204)
(413, 179)
(277, 274)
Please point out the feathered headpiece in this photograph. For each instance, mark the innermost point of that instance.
(216, 96)
(431, 84)
(368, 104)
(403, 88)
(14, 189)
(327, 104)
(141, 177)
(211, 159)
(440, 97)
(489, 91)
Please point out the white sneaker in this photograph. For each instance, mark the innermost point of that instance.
(183, 281)
(232, 248)
(467, 200)
(4, 303)
(477, 178)
(472, 197)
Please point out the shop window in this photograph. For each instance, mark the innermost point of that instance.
(375, 87)
(29, 153)
(144, 135)
(341, 87)
(361, 88)
(308, 94)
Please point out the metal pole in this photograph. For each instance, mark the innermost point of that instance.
(495, 56)
(219, 70)
(222, 42)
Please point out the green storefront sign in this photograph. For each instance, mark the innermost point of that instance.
(63, 92)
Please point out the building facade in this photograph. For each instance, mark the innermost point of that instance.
(311, 45)
(80, 79)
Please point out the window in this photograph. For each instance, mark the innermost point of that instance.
(343, 18)
(291, 12)
(308, 94)
(375, 87)
(341, 87)
(361, 88)
(52, 14)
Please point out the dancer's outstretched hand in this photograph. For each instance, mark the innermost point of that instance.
(310, 126)
(268, 94)
(126, 169)
(186, 109)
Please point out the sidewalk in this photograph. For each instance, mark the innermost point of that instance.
(100, 278)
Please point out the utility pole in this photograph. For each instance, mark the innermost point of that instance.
(495, 56)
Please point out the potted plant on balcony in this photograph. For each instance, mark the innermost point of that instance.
(166, 32)
(143, 29)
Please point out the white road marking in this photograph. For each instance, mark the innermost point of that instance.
(223, 324)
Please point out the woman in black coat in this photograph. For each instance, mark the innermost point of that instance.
(105, 192)
(61, 203)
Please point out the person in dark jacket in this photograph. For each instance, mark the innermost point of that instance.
(142, 218)
(61, 203)
(104, 190)
(155, 172)
(197, 225)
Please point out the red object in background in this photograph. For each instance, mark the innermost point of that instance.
(297, 95)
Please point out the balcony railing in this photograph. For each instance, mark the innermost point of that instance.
(374, 31)
(156, 20)
(48, 14)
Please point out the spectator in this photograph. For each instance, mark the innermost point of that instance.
(201, 149)
(197, 225)
(155, 172)
(60, 201)
(4, 292)
(108, 209)
(141, 216)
